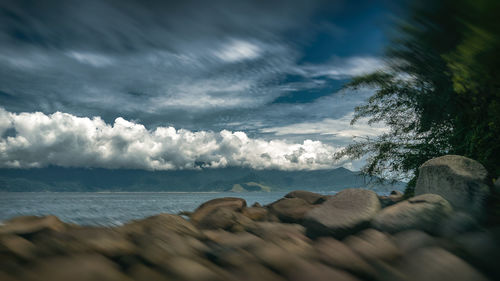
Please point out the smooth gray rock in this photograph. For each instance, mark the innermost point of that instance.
(347, 212)
(423, 212)
(458, 179)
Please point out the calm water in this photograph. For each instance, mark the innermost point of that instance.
(112, 208)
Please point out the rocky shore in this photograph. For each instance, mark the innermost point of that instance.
(442, 233)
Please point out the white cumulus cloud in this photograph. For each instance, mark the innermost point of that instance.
(38, 140)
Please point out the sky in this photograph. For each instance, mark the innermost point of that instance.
(162, 85)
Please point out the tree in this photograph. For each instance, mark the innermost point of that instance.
(440, 94)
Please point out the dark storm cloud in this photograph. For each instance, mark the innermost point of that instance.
(92, 57)
(134, 25)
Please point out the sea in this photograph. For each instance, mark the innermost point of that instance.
(115, 208)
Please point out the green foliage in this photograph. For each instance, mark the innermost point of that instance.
(441, 93)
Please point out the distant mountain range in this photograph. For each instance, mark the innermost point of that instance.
(225, 179)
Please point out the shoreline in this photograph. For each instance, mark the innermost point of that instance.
(354, 235)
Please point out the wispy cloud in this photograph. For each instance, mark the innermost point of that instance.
(342, 68)
(339, 128)
(90, 58)
(238, 50)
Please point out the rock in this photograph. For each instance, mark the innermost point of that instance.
(241, 240)
(17, 246)
(436, 264)
(291, 210)
(156, 250)
(230, 257)
(255, 213)
(494, 204)
(458, 223)
(254, 272)
(318, 272)
(347, 212)
(336, 254)
(6, 277)
(410, 240)
(141, 272)
(396, 193)
(228, 249)
(286, 237)
(159, 224)
(276, 258)
(106, 241)
(220, 218)
(481, 249)
(460, 180)
(393, 198)
(256, 204)
(185, 213)
(31, 224)
(309, 197)
(189, 269)
(76, 268)
(373, 245)
(270, 231)
(207, 207)
(224, 218)
(423, 212)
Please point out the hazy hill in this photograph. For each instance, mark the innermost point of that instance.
(236, 179)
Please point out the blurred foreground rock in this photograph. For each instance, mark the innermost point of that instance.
(353, 235)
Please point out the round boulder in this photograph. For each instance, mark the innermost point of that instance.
(347, 212)
(291, 210)
(224, 218)
(458, 179)
(206, 208)
(423, 212)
